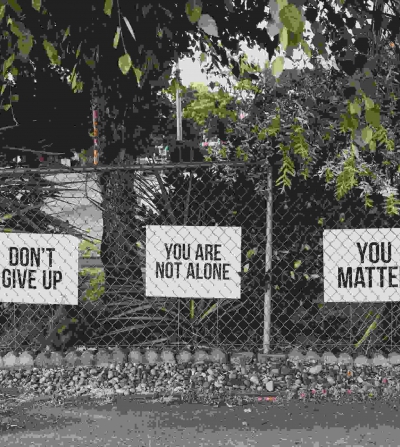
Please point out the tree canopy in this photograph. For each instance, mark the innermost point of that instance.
(123, 52)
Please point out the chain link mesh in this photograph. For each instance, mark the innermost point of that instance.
(116, 205)
(301, 318)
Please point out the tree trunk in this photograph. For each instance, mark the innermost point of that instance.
(120, 254)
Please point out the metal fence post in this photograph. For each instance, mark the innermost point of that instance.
(268, 263)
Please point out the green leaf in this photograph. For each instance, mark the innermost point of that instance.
(306, 276)
(297, 264)
(138, 74)
(15, 29)
(355, 109)
(366, 134)
(51, 53)
(61, 329)
(372, 146)
(125, 63)
(6, 107)
(90, 62)
(108, 7)
(6, 217)
(15, 6)
(14, 98)
(284, 38)
(372, 116)
(207, 312)
(2, 11)
(250, 253)
(321, 221)
(3, 87)
(291, 17)
(25, 45)
(7, 64)
(306, 247)
(281, 3)
(246, 268)
(67, 33)
(36, 4)
(193, 14)
(306, 48)
(116, 37)
(320, 305)
(78, 51)
(277, 66)
(203, 57)
(369, 103)
(292, 275)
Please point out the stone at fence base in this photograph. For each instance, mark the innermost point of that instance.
(72, 359)
(312, 356)
(394, 358)
(295, 355)
(217, 356)
(103, 358)
(135, 356)
(42, 360)
(118, 355)
(25, 360)
(361, 360)
(57, 359)
(10, 360)
(345, 358)
(329, 358)
(242, 358)
(201, 356)
(152, 357)
(184, 357)
(168, 356)
(88, 359)
(379, 360)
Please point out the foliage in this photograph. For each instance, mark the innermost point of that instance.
(65, 36)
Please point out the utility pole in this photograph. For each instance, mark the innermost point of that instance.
(178, 105)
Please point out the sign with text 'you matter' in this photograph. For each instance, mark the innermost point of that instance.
(38, 268)
(193, 262)
(362, 265)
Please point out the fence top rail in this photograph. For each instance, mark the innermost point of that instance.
(136, 167)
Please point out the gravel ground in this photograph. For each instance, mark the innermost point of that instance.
(211, 382)
(315, 405)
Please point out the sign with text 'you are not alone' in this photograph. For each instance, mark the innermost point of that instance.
(362, 265)
(38, 268)
(193, 262)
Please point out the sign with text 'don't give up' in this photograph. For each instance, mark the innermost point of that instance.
(193, 262)
(38, 268)
(362, 265)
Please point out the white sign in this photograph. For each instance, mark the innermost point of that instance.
(361, 265)
(193, 262)
(38, 268)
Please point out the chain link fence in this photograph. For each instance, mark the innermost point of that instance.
(300, 316)
(108, 209)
